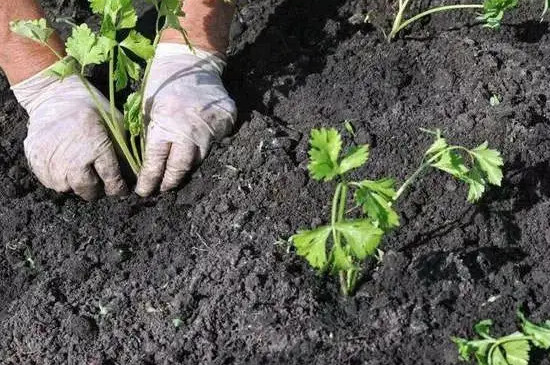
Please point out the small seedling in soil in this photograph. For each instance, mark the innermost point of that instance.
(354, 240)
(86, 48)
(494, 100)
(512, 349)
(177, 322)
(491, 16)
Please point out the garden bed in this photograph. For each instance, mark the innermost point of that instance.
(203, 275)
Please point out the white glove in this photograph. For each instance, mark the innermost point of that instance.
(67, 146)
(187, 106)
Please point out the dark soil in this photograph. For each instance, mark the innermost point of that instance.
(102, 283)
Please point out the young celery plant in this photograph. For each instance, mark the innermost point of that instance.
(493, 11)
(353, 240)
(512, 349)
(86, 48)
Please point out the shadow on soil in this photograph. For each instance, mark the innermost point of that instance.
(294, 44)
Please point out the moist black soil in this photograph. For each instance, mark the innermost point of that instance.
(203, 275)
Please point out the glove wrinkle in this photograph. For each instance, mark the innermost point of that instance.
(66, 137)
(186, 107)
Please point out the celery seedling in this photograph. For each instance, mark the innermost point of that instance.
(353, 240)
(493, 11)
(86, 48)
(512, 349)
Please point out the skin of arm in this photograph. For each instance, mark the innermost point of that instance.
(22, 58)
(207, 23)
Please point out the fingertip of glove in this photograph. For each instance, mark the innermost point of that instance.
(142, 191)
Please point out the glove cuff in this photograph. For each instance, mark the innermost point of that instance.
(210, 60)
(27, 91)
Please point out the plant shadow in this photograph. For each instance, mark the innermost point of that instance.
(523, 188)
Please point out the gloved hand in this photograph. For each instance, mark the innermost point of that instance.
(67, 146)
(186, 106)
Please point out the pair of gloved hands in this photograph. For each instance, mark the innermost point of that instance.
(69, 149)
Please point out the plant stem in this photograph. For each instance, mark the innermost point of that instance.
(112, 124)
(142, 91)
(337, 215)
(422, 167)
(398, 18)
(112, 84)
(135, 150)
(398, 25)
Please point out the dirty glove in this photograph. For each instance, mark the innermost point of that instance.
(67, 146)
(186, 106)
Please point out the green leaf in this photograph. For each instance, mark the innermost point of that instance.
(493, 11)
(464, 349)
(323, 153)
(476, 184)
(377, 207)
(63, 68)
(439, 144)
(497, 358)
(376, 198)
(139, 45)
(489, 162)
(361, 236)
(171, 7)
(540, 333)
(121, 13)
(98, 6)
(172, 10)
(37, 29)
(385, 187)
(482, 328)
(340, 259)
(516, 352)
(87, 48)
(452, 163)
(108, 28)
(125, 67)
(133, 118)
(127, 17)
(355, 158)
(312, 245)
(477, 347)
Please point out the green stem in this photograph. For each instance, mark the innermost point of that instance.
(424, 166)
(398, 25)
(398, 18)
(112, 124)
(350, 276)
(337, 215)
(114, 129)
(135, 150)
(112, 84)
(146, 73)
(343, 199)
(334, 214)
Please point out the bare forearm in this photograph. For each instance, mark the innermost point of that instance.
(207, 23)
(21, 58)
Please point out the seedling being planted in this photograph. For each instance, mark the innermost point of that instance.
(86, 48)
(512, 349)
(342, 245)
(491, 16)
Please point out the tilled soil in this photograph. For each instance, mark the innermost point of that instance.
(203, 275)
